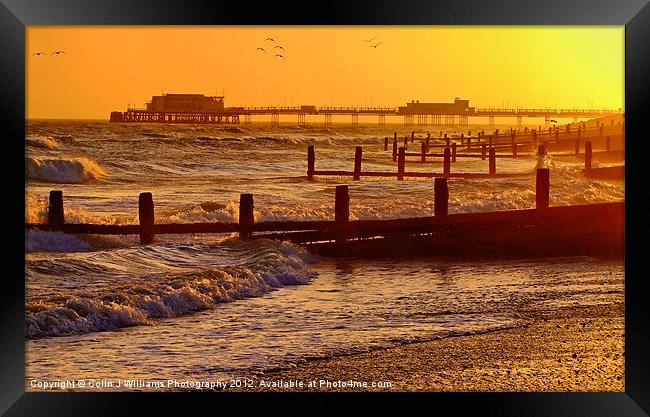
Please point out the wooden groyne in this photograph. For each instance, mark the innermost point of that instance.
(594, 229)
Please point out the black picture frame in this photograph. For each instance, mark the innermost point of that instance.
(15, 15)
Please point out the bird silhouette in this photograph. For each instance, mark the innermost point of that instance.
(261, 49)
(278, 47)
(270, 39)
(554, 121)
(57, 53)
(370, 40)
(39, 53)
(375, 46)
(280, 56)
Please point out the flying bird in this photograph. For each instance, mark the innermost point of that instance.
(39, 53)
(57, 53)
(261, 49)
(280, 56)
(278, 47)
(374, 46)
(270, 39)
(554, 121)
(370, 40)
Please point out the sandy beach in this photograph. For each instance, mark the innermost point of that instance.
(568, 350)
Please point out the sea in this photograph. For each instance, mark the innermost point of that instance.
(214, 308)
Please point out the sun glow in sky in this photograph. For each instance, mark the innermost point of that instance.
(106, 68)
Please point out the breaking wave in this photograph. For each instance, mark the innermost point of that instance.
(46, 142)
(265, 266)
(63, 170)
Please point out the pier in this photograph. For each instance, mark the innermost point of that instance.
(593, 229)
(174, 108)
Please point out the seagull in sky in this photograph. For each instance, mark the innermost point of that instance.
(261, 49)
(554, 121)
(57, 53)
(375, 46)
(280, 56)
(278, 47)
(370, 40)
(270, 39)
(39, 53)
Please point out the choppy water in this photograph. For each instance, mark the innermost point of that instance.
(209, 306)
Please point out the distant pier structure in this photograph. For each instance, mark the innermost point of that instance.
(201, 109)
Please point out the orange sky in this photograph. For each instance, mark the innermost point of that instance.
(106, 68)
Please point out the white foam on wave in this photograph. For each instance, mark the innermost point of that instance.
(274, 266)
(63, 170)
(37, 240)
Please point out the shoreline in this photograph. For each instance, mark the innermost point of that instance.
(580, 349)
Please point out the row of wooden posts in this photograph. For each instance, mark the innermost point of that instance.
(147, 227)
(426, 145)
(533, 133)
(449, 156)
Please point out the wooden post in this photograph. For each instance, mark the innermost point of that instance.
(483, 151)
(492, 162)
(406, 142)
(577, 146)
(541, 188)
(447, 140)
(588, 155)
(341, 211)
(579, 130)
(608, 143)
(427, 141)
(446, 165)
(401, 159)
(357, 163)
(246, 215)
(55, 208)
(469, 142)
(146, 217)
(557, 135)
(453, 152)
(424, 151)
(311, 162)
(386, 143)
(341, 204)
(490, 141)
(513, 144)
(395, 150)
(412, 136)
(541, 150)
(440, 197)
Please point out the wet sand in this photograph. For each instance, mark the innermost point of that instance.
(569, 350)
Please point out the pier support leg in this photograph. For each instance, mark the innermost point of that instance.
(357, 163)
(440, 197)
(55, 208)
(146, 218)
(483, 151)
(453, 152)
(542, 188)
(424, 152)
(386, 143)
(311, 162)
(427, 141)
(246, 215)
(541, 150)
(608, 143)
